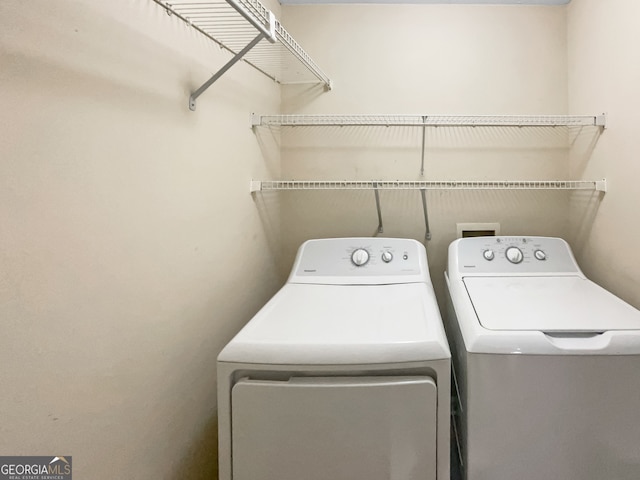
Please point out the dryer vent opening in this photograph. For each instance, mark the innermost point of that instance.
(478, 233)
(465, 230)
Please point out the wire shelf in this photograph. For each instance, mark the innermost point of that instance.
(401, 120)
(288, 185)
(233, 24)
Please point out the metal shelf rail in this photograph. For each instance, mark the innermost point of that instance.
(424, 121)
(402, 120)
(238, 26)
(288, 185)
(423, 186)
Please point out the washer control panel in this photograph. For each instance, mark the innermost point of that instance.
(512, 254)
(361, 257)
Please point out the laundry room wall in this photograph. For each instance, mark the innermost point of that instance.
(604, 74)
(427, 59)
(130, 248)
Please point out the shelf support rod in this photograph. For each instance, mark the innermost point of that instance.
(377, 194)
(424, 133)
(219, 73)
(427, 234)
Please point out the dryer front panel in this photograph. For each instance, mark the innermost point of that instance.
(339, 428)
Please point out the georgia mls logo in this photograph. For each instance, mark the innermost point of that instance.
(36, 468)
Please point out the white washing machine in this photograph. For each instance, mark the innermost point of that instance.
(343, 375)
(546, 364)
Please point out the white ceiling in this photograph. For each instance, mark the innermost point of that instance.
(485, 2)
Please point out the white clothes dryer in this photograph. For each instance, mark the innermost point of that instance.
(344, 374)
(546, 364)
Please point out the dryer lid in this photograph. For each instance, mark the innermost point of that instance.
(337, 324)
(548, 304)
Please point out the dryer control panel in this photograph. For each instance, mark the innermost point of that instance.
(360, 260)
(508, 255)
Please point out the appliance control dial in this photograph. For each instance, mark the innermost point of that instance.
(387, 256)
(514, 254)
(488, 255)
(359, 257)
(540, 255)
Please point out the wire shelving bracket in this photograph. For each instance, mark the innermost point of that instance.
(293, 185)
(410, 120)
(424, 121)
(238, 26)
(423, 186)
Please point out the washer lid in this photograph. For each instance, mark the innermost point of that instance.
(338, 324)
(548, 304)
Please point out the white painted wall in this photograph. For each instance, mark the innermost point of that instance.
(438, 59)
(130, 248)
(604, 75)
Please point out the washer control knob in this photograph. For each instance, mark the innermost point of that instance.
(514, 254)
(540, 255)
(359, 257)
(387, 256)
(488, 255)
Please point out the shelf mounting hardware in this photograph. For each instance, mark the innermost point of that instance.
(427, 232)
(423, 192)
(237, 26)
(424, 133)
(377, 194)
(269, 34)
(219, 73)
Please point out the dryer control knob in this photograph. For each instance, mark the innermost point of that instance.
(540, 255)
(514, 254)
(488, 255)
(359, 257)
(387, 256)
